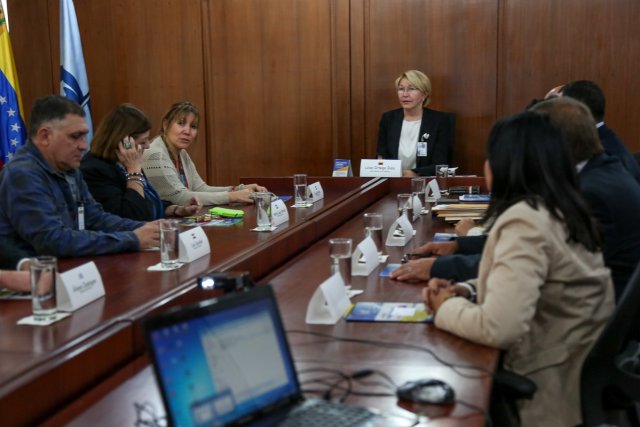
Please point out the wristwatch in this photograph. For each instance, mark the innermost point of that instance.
(473, 295)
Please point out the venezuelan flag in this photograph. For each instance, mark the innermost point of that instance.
(13, 133)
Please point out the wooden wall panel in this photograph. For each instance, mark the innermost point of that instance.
(270, 98)
(455, 44)
(546, 43)
(146, 52)
(286, 86)
(32, 50)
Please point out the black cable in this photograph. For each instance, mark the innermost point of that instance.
(359, 376)
(389, 344)
(326, 395)
(476, 409)
(321, 369)
(383, 375)
(386, 344)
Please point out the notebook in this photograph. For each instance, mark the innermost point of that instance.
(227, 362)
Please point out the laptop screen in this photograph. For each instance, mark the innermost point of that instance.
(223, 360)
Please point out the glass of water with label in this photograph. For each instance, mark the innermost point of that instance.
(169, 243)
(300, 189)
(373, 229)
(340, 252)
(43, 287)
(263, 211)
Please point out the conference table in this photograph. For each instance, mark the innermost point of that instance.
(93, 363)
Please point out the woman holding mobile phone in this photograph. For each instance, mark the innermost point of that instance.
(113, 172)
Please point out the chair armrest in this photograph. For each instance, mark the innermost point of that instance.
(516, 386)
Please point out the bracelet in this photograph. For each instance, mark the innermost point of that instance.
(128, 174)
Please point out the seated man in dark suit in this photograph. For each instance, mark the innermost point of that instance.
(592, 96)
(612, 194)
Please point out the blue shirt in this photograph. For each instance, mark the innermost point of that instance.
(39, 211)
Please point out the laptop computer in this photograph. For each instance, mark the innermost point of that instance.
(227, 362)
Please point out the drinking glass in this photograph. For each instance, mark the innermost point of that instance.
(418, 188)
(300, 189)
(405, 205)
(263, 211)
(43, 287)
(169, 243)
(373, 228)
(340, 253)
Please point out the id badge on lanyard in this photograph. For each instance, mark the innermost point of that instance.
(422, 149)
(80, 216)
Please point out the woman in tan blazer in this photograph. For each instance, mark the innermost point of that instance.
(543, 293)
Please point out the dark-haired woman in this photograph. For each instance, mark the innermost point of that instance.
(113, 169)
(543, 294)
(171, 170)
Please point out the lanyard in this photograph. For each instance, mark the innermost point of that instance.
(80, 215)
(77, 197)
(180, 169)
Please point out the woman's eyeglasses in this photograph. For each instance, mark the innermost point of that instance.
(408, 89)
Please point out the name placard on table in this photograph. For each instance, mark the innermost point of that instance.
(385, 168)
(329, 302)
(279, 213)
(400, 232)
(193, 244)
(79, 286)
(365, 258)
(315, 192)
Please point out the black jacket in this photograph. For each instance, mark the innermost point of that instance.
(438, 125)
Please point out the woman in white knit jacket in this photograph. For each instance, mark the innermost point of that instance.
(171, 171)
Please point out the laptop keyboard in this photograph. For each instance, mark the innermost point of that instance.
(324, 414)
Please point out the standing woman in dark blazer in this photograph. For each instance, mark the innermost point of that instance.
(113, 168)
(418, 136)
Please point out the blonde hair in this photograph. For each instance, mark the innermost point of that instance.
(419, 80)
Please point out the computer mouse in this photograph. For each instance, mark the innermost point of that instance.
(426, 391)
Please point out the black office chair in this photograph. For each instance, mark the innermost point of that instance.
(611, 371)
(508, 388)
